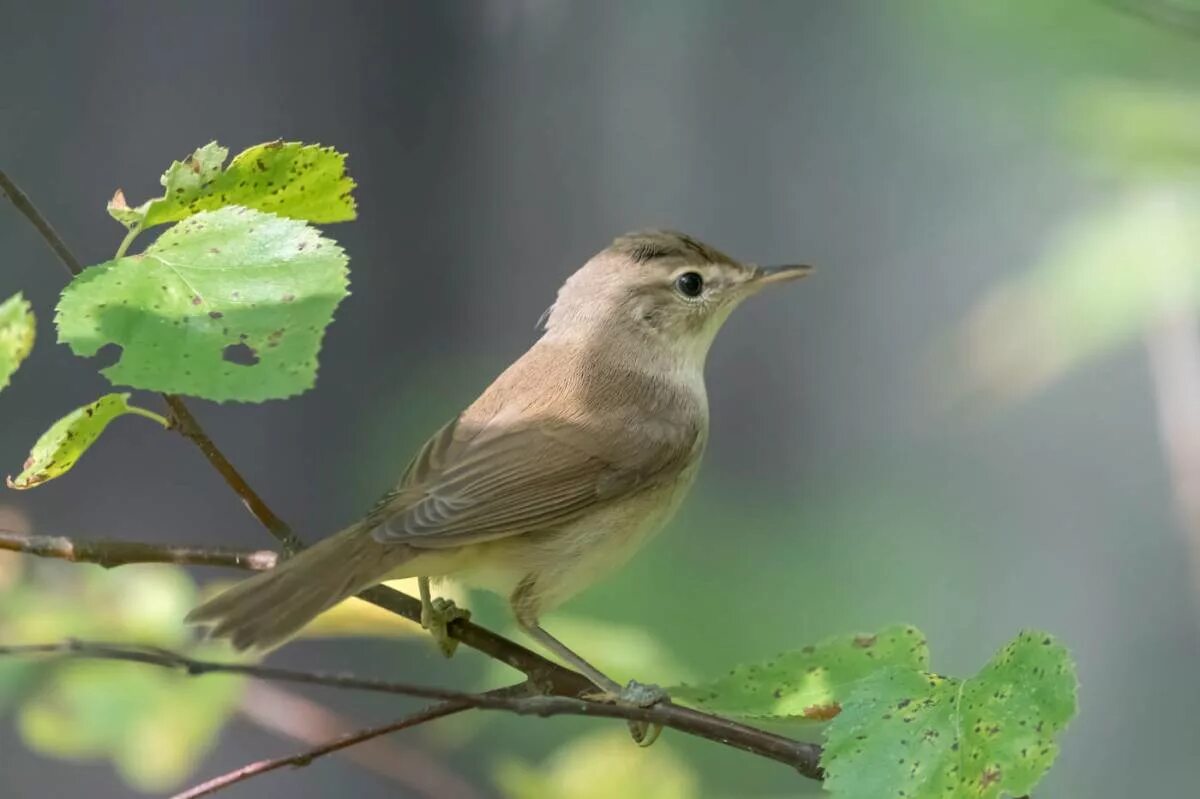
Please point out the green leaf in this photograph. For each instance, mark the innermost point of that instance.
(228, 305)
(154, 725)
(17, 330)
(60, 447)
(909, 733)
(807, 683)
(84, 708)
(164, 744)
(292, 179)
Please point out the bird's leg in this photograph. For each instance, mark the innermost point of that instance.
(436, 615)
(635, 693)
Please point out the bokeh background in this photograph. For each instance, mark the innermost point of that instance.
(982, 414)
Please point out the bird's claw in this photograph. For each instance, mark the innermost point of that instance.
(636, 694)
(436, 616)
(641, 694)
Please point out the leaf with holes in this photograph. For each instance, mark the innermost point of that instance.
(808, 683)
(17, 328)
(227, 305)
(292, 179)
(908, 733)
(64, 443)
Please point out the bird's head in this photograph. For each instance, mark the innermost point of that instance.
(661, 285)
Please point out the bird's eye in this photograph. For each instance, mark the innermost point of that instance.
(689, 284)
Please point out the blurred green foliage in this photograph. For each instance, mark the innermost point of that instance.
(1104, 282)
(154, 725)
(601, 765)
(1118, 82)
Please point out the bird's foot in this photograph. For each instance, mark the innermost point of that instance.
(436, 616)
(638, 694)
(641, 694)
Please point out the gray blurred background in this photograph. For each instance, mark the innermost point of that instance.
(922, 155)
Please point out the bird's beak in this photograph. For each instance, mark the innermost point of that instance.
(780, 274)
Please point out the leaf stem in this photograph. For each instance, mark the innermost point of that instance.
(149, 414)
(125, 242)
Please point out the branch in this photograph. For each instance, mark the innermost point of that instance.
(183, 421)
(304, 758)
(30, 211)
(111, 553)
(804, 757)
(290, 715)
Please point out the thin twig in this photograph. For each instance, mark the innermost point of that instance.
(111, 553)
(804, 757)
(49, 235)
(183, 421)
(250, 770)
(291, 715)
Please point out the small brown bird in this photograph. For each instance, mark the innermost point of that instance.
(564, 466)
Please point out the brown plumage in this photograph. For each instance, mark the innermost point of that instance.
(558, 472)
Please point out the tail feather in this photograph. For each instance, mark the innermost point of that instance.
(269, 608)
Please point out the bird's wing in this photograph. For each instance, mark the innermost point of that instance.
(465, 487)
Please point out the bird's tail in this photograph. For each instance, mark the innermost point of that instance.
(266, 609)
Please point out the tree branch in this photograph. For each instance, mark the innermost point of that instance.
(111, 553)
(802, 756)
(290, 715)
(49, 235)
(183, 421)
(250, 770)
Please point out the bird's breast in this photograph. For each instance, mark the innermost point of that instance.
(565, 561)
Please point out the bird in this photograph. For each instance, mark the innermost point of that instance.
(576, 455)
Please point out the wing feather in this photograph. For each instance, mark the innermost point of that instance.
(469, 486)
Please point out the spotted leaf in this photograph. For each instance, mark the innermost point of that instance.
(61, 447)
(904, 732)
(292, 179)
(810, 682)
(229, 304)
